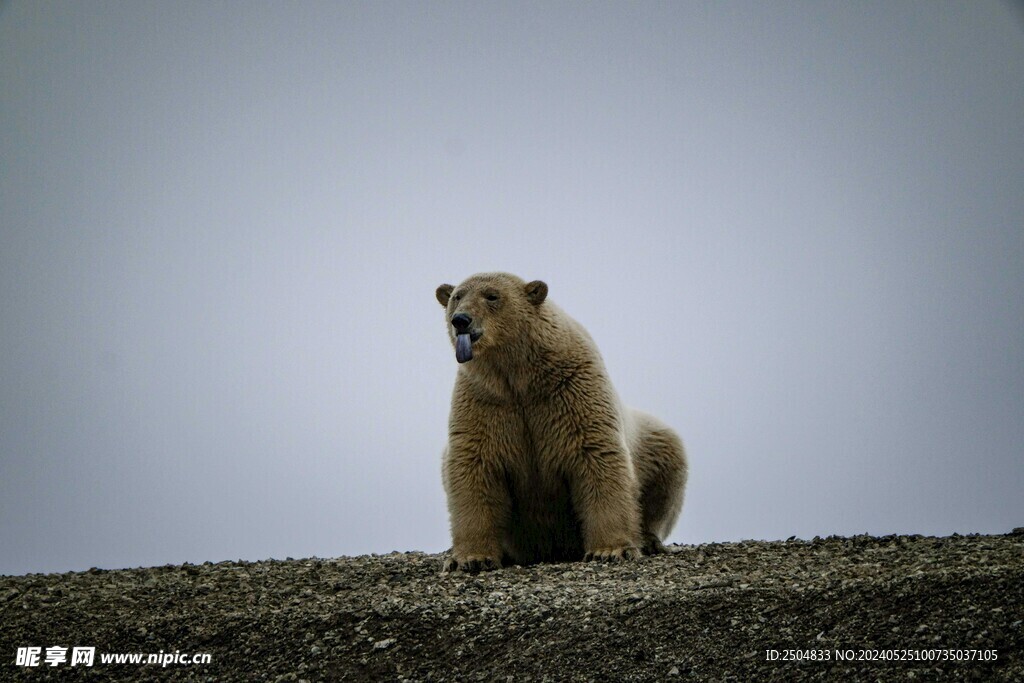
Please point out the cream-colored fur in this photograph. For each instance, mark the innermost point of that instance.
(543, 462)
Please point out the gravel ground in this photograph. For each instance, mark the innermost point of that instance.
(706, 612)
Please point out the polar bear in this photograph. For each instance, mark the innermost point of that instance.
(543, 462)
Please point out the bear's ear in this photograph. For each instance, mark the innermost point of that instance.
(443, 293)
(536, 292)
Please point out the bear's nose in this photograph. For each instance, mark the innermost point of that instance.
(461, 321)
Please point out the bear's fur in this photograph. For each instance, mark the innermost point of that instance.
(543, 463)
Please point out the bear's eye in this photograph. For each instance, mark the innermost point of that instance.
(457, 297)
(491, 297)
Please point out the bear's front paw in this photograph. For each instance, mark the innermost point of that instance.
(471, 563)
(620, 554)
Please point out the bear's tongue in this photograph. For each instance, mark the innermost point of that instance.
(463, 348)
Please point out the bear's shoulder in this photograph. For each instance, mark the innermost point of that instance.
(563, 335)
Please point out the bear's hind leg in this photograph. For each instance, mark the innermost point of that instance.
(661, 467)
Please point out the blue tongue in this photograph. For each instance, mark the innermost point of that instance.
(463, 348)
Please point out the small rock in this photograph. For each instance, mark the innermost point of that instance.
(674, 671)
(383, 644)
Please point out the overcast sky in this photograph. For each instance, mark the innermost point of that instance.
(795, 230)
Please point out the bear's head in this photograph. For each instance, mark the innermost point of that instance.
(487, 310)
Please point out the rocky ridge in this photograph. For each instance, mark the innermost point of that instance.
(856, 608)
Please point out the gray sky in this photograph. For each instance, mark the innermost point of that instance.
(796, 231)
